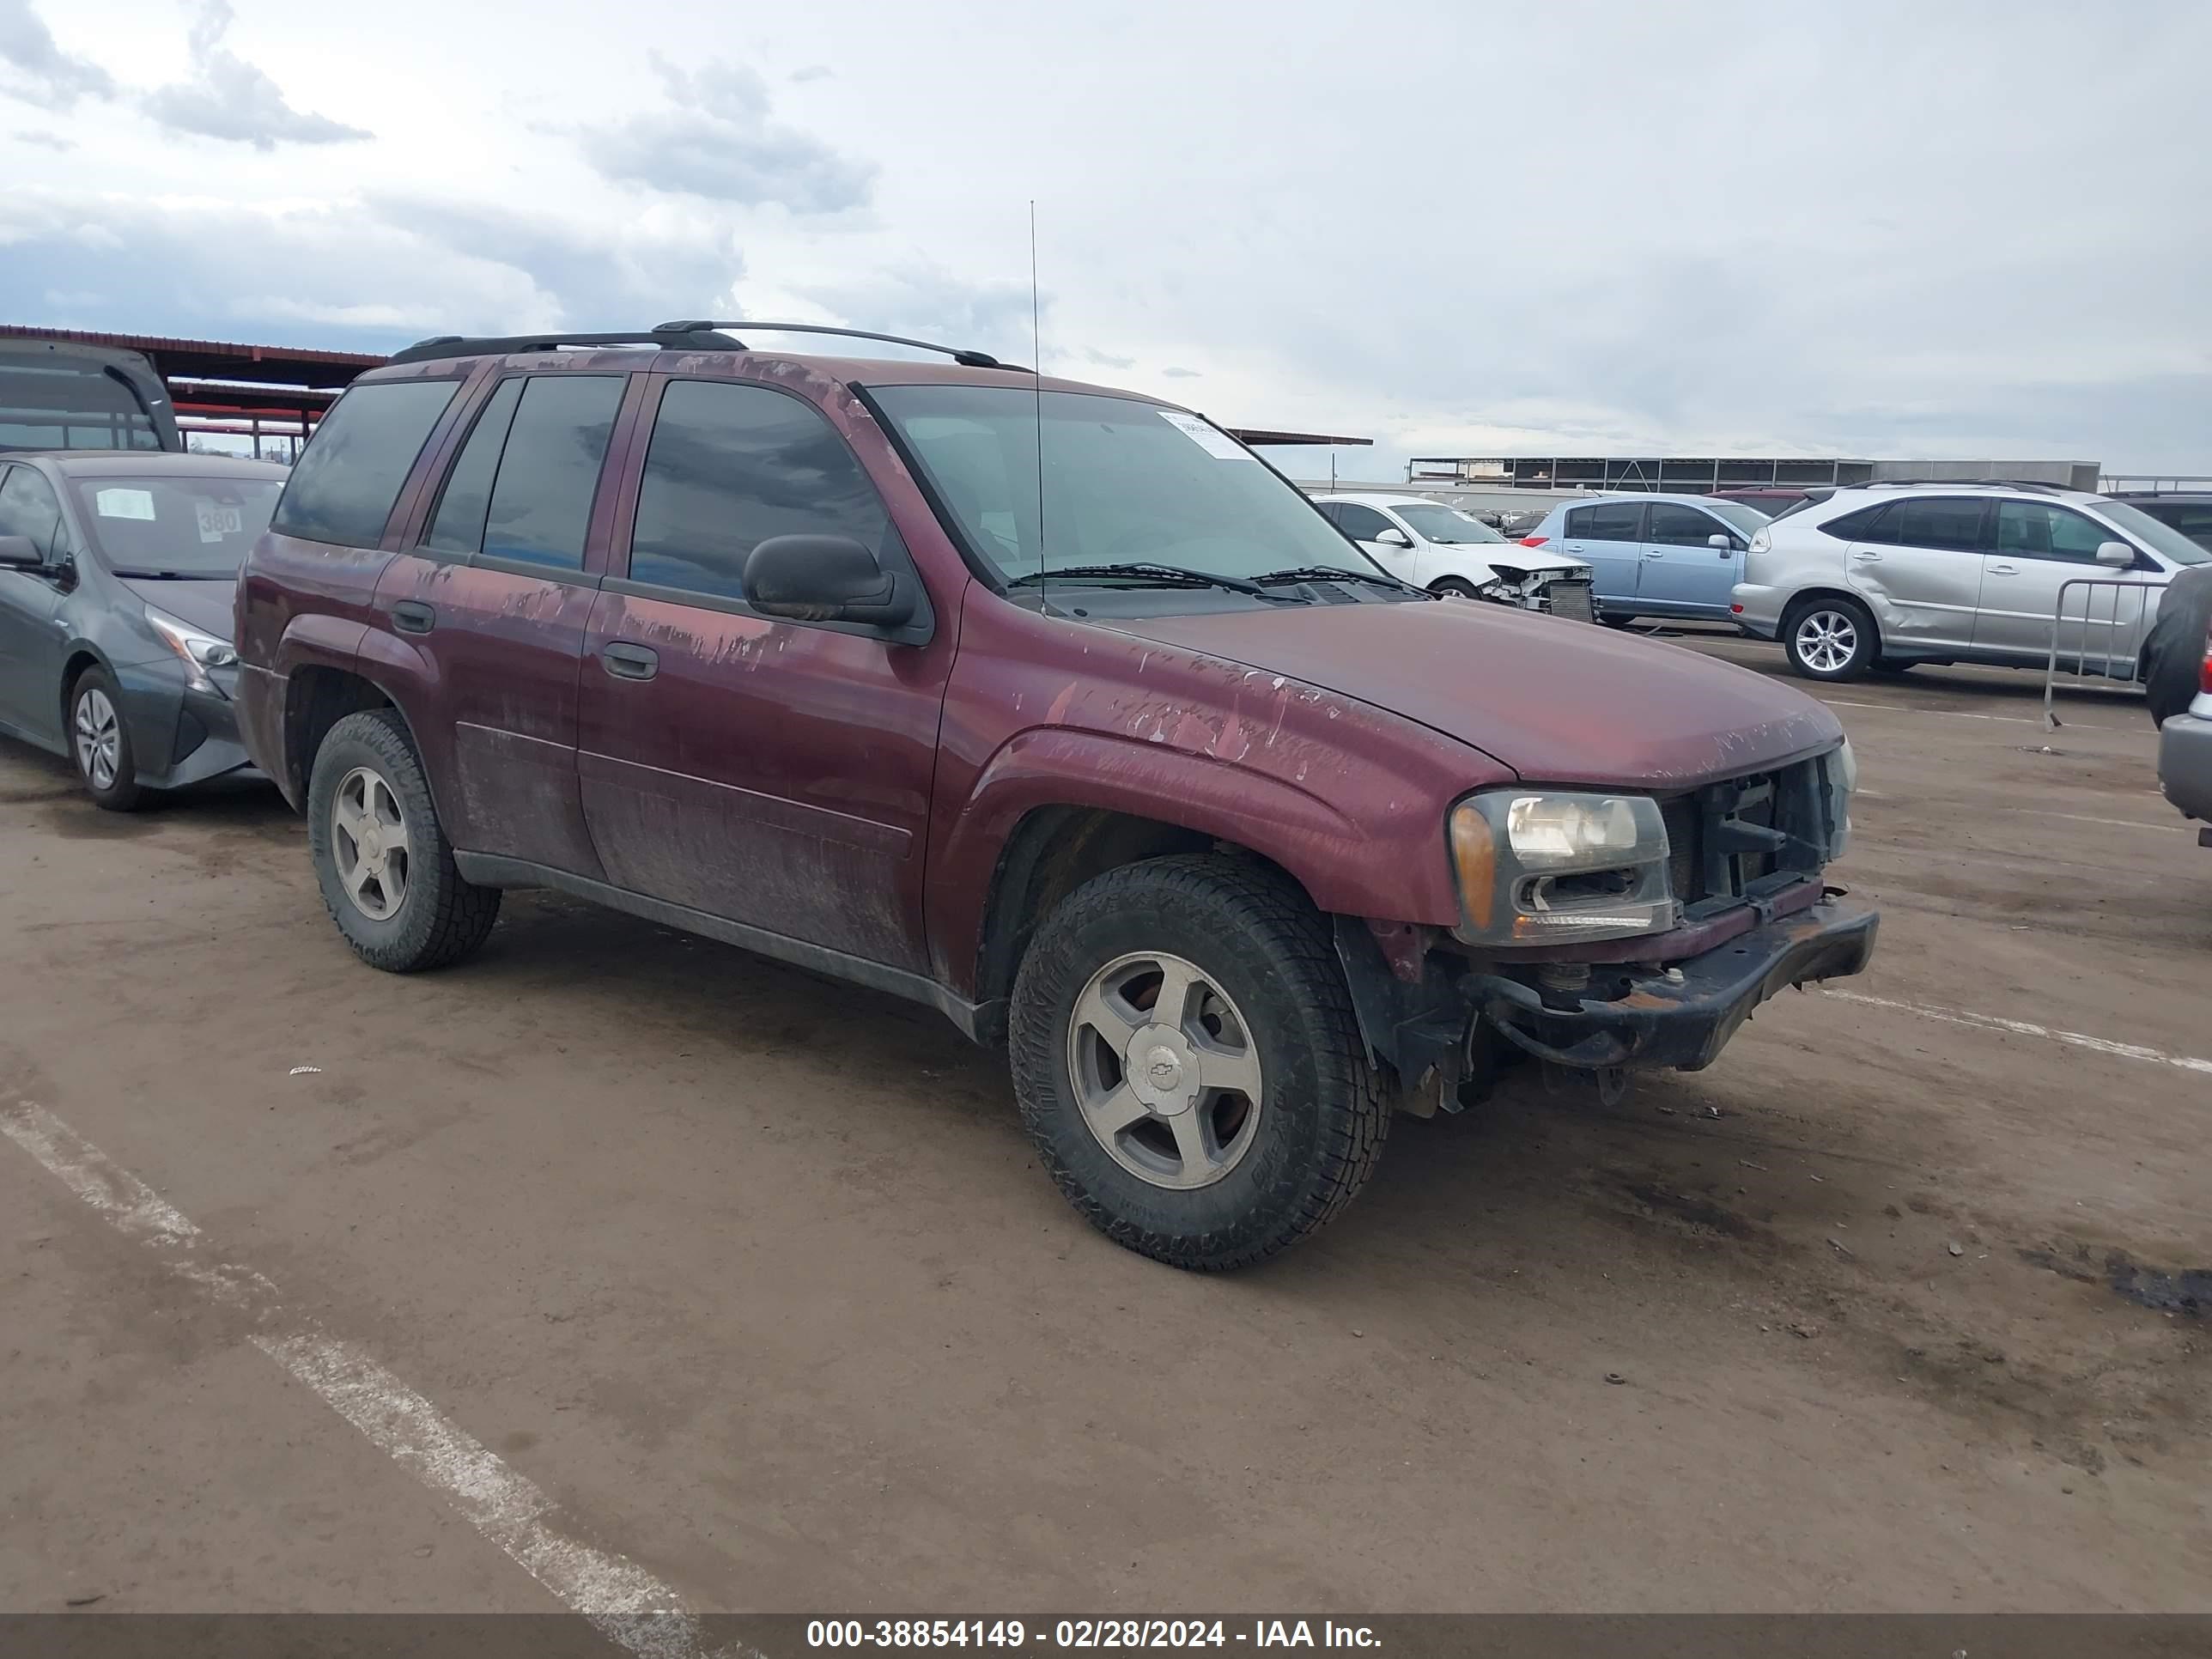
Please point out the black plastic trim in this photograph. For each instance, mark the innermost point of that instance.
(490, 869)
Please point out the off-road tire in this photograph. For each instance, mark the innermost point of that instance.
(443, 918)
(1324, 1115)
(123, 794)
(1866, 652)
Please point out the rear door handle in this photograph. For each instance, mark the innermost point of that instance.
(413, 616)
(2004, 570)
(630, 662)
(1867, 558)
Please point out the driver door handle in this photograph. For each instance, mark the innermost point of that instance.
(2004, 570)
(630, 662)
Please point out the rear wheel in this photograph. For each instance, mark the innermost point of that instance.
(381, 857)
(1188, 1064)
(99, 743)
(1828, 639)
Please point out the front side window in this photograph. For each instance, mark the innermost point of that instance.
(2037, 530)
(1675, 526)
(348, 476)
(1124, 482)
(181, 526)
(28, 506)
(1948, 524)
(730, 465)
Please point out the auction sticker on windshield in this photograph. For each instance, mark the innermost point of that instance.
(1214, 441)
(216, 522)
(125, 504)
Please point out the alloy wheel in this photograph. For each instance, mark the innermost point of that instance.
(369, 841)
(98, 738)
(1827, 641)
(1165, 1071)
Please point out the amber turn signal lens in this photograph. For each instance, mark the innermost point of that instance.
(1474, 856)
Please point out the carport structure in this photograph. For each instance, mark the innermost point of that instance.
(218, 385)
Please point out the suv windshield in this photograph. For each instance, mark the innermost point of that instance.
(185, 527)
(1444, 524)
(1125, 483)
(2157, 536)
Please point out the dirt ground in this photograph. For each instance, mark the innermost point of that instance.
(755, 1278)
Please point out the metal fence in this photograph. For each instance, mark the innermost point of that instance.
(2108, 638)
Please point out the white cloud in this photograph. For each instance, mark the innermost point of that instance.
(228, 98)
(36, 69)
(715, 140)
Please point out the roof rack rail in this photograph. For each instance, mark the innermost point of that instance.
(1986, 483)
(967, 358)
(463, 345)
(668, 337)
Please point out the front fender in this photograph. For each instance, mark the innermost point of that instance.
(1393, 866)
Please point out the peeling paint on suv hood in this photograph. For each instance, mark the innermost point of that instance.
(1559, 702)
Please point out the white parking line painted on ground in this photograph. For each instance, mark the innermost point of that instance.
(626, 1603)
(2024, 1028)
(2117, 824)
(1963, 715)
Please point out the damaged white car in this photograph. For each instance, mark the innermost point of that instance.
(1446, 551)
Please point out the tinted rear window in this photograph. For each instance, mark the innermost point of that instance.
(1609, 521)
(549, 470)
(349, 474)
(1951, 523)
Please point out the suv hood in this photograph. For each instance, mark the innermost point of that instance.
(1559, 702)
(206, 604)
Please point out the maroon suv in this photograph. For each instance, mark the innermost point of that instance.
(1050, 706)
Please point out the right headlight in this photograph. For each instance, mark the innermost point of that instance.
(1543, 865)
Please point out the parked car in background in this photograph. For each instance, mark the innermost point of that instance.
(57, 394)
(1455, 554)
(1654, 556)
(116, 573)
(1888, 575)
(2188, 511)
(1045, 705)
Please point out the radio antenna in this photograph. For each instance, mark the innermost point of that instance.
(1037, 387)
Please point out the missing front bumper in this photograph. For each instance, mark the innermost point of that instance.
(1684, 1022)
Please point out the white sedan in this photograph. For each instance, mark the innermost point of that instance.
(1447, 551)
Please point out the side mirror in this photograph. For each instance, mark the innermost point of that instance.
(21, 553)
(824, 579)
(1721, 541)
(1391, 535)
(2118, 555)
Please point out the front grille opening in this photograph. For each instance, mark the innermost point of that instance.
(1745, 838)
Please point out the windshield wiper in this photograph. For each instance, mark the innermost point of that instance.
(171, 575)
(1329, 573)
(1154, 575)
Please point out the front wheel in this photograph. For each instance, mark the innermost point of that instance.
(1831, 640)
(1451, 588)
(101, 744)
(1188, 1063)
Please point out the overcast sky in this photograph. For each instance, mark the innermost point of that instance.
(1927, 230)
